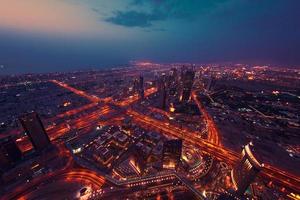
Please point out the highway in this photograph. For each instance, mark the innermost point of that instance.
(132, 99)
(50, 181)
(78, 92)
(213, 133)
(212, 145)
(61, 129)
(284, 178)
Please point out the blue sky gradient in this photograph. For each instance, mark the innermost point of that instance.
(60, 35)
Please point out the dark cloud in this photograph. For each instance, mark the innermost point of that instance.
(162, 10)
(135, 19)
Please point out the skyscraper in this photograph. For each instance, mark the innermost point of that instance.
(163, 97)
(141, 87)
(172, 153)
(9, 152)
(170, 78)
(211, 84)
(187, 81)
(246, 170)
(136, 85)
(34, 128)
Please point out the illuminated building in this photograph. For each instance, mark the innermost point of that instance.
(173, 82)
(187, 80)
(152, 138)
(245, 171)
(34, 128)
(102, 155)
(138, 160)
(172, 153)
(135, 85)
(9, 153)
(120, 139)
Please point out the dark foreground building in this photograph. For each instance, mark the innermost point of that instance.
(9, 153)
(172, 153)
(187, 84)
(34, 128)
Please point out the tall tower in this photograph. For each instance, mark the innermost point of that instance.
(163, 98)
(34, 127)
(211, 84)
(136, 85)
(162, 92)
(187, 84)
(141, 87)
(9, 152)
(173, 82)
(246, 170)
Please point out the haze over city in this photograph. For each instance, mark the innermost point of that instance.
(53, 35)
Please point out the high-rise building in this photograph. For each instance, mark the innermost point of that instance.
(141, 87)
(9, 153)
(171, 77)
(246, 170)
(163, 98)
(187, 81)
(173, 82)
(211, 84)
(136, 85)
(172, 153)
(34, 128)
(161, 82)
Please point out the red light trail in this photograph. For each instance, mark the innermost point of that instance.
(212, 145)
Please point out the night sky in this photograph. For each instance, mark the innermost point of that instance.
(62, 35)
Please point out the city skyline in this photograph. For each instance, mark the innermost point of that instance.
(102, 34)
(152, 131)
(149, 99)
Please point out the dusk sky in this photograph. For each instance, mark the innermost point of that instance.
(61, 35)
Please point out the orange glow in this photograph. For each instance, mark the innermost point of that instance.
(294, 196)
(135, 98)
(170, 165)
(37, 15)
(172, 109)
(135, 166)
(213, 134)
(158, 197)
(22, 198)
(67, 104)
(275, 92)
(250, 77)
